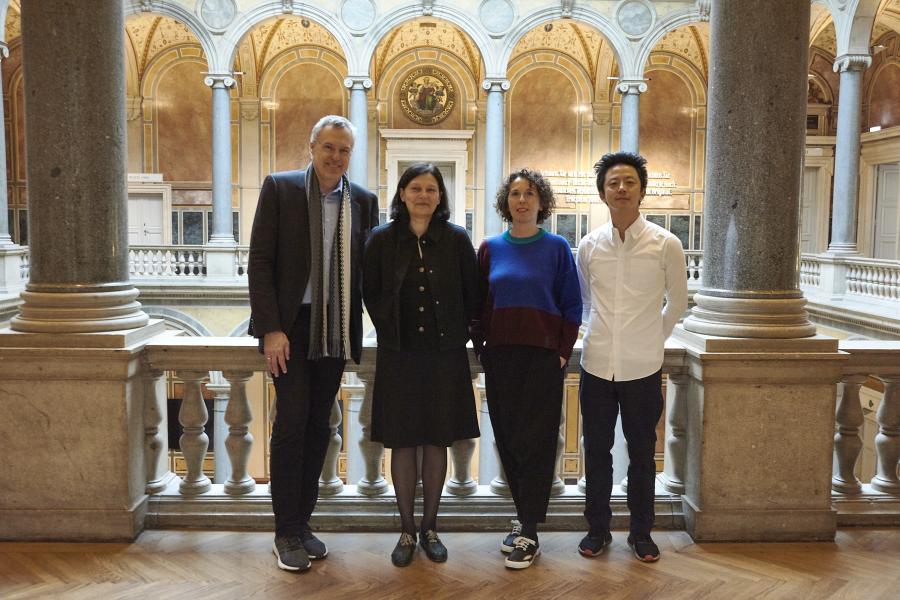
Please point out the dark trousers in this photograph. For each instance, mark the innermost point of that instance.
(524, 387)
(640, 402)
(303, 400)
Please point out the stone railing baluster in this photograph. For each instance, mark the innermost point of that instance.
(461, 482)
(676, 432)
(887, 442)
(155, 444)
(372, 482)
(847, 441)
(239, 442)
(329, 482)
(194, 441)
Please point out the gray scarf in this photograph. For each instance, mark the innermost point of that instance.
(329, 321)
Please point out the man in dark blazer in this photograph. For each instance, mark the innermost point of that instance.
(304, 275)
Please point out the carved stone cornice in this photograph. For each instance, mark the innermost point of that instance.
(358, 83)
(631, 86)
(217, 80)
(495, 84)
(287, 7)
(567, 6)
(146, 5)
(852, 62)
(703, 7)
(427, 7)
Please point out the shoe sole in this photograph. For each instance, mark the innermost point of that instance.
(523, 564)
(285, 567)
(587, 553)
(506, 549)
(311, 557)
(643, 558)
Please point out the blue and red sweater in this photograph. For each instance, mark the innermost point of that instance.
(531, 293)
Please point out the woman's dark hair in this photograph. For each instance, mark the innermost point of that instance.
(545, 193)
(398, 208)
(608, 161)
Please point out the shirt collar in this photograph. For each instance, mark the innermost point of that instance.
(337, 190)
(634, 230)
(432, 234)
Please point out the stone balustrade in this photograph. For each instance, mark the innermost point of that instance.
(238, 502)
(873, 278)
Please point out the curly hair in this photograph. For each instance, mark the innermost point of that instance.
(545, 193)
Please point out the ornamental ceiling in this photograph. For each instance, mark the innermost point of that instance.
(424, 33)
(149, 35)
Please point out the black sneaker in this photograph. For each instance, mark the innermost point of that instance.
(315, 547)
(291, 554)
(432, 545)
(524, 552)
(593, 543)
(643, 547)
(509, 542)
(404, 550)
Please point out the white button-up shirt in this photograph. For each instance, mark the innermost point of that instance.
(622, 289)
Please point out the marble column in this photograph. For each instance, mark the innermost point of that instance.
(76, 174)
(222, 230)
(359, 116)
(756, 132)
(629, 137)
(846, 160)
(5, 239)
(493, 152)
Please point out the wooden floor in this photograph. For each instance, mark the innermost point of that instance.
(202, 565)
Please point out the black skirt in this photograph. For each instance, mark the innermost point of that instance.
(423, 398)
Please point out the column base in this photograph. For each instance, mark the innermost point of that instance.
(51, 308)
(461, 488)
(771, 318)
(73, 525)
(759, 525)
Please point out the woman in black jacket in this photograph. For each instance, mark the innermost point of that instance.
(420, 289)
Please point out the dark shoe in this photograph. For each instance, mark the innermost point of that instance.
(315, 547)
(593, 543)
(404, 550)
(643, 547)
(509, 542)
(290, 553)
(432, 545)
(524, 552)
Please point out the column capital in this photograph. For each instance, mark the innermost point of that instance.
(852, 62)
(133, 106)
(220, 80)
(249, 109)
(703, 7)
(495, 84)
(631, 86)
(358, 83)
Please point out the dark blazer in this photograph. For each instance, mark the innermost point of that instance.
(452, 279)
(279, 262)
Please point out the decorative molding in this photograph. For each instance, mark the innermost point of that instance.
(852, 62)
(635, 17)
(249, 109)
(4, 50)
(497, 16)
(567, 6)
(635, 86)
(602, 113)
(356, 83)
(215, 80)
(287, 7)
(146, 5)
(133, 107)
(704, 7)
(494, 84)
(358, 15)
(427, 8)
(217, 14)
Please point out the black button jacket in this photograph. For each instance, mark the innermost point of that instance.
(452, 278)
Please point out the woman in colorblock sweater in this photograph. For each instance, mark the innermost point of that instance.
(524, 334)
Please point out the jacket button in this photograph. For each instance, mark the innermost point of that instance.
(421, 329)
(421, 288)
(421, 269)
(421, 309)
(437, 301)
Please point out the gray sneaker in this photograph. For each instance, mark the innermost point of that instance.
(509, 542)
(291, 554)
(315, 547)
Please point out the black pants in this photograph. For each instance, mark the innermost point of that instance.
(304, 397)
(524, 387)
(641, 404)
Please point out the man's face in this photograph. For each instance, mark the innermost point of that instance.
(330, 154)
(622, 191)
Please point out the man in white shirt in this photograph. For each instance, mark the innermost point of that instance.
(626, 268)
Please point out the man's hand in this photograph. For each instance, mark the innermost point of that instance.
(562, 362)
(277, 350)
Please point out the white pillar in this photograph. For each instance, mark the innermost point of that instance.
(359, 116)
(493, 152)
(629, 136)
(222, 232)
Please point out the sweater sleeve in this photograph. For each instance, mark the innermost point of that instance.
(480, 323)
(568, 291)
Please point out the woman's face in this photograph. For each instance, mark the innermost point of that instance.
(524, 202)
(421, 196)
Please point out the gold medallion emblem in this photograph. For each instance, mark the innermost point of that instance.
(427, 95)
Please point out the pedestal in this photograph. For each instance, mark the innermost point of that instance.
(760, 427)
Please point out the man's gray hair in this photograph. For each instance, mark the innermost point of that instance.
(336, 121)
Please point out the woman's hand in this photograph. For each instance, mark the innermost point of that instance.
(562, 362)
(277, 350)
